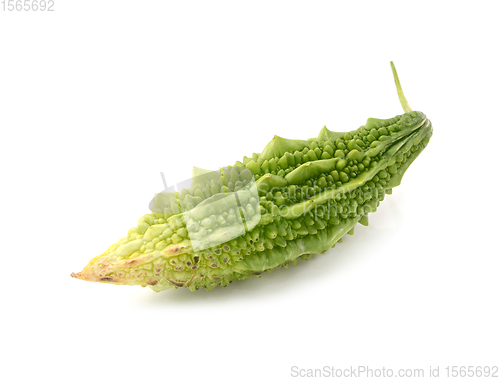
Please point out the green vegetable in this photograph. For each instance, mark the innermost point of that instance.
(296, 198)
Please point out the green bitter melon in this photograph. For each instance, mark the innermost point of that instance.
(295, 199)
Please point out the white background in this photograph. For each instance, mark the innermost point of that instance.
(98, 97)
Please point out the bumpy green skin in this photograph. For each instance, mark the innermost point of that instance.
(311, 193)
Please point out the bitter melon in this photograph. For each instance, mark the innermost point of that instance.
(295, 199)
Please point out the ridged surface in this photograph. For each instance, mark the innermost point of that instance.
(310, 194)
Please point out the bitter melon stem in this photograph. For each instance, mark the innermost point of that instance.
(402, 98)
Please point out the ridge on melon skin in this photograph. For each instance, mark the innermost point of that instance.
(294, 199)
